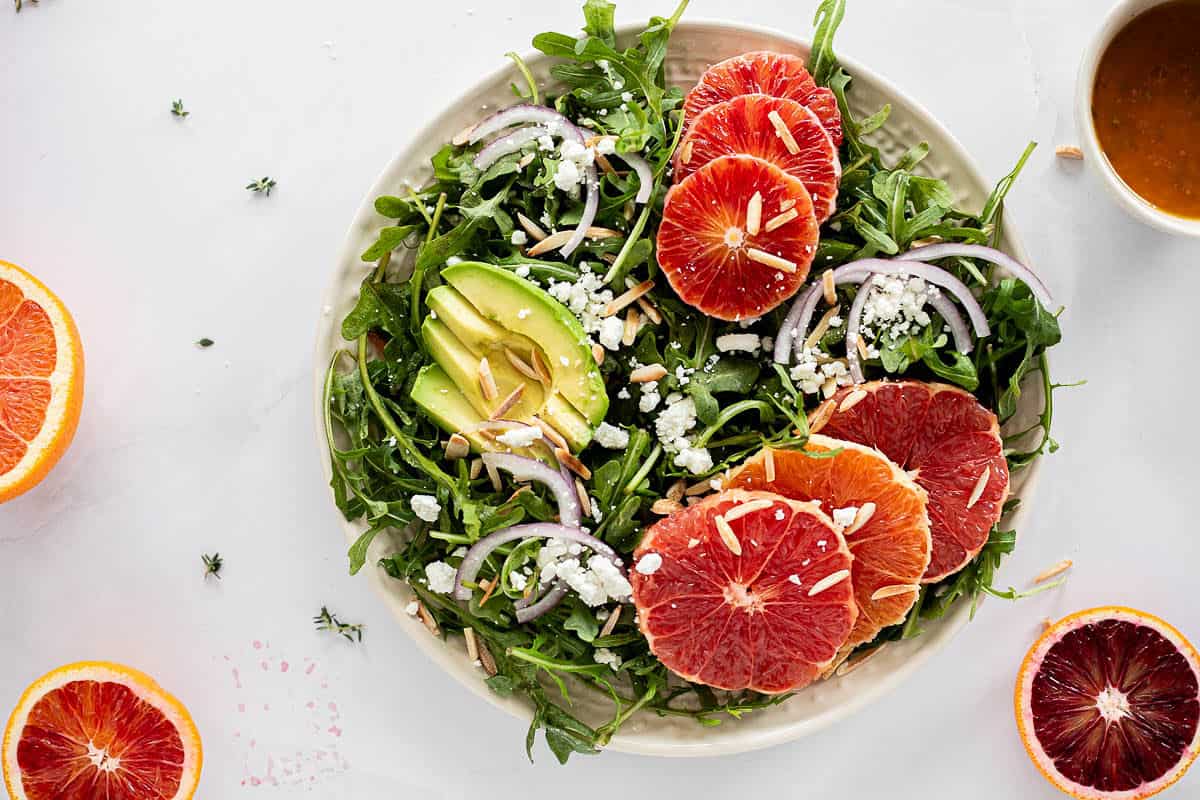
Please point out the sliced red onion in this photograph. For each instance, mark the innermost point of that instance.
(645, 175)
(509, 143)
(533, 610)
(852, 329)
(931, 274)
(591, 204)
(529, 469)
(1006, 262)
(523, 114)
(790, 330)
(955, 321)
(473, 560)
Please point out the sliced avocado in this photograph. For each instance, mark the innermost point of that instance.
(563, 417)
(456, 313)
(439, 396)
(519, 307)
(462, 367)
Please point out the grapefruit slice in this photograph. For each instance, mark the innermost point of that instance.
(745, 590)
(764, 72)
(947, 441)
(716, 250)
(745, 124)
(41, 380)
(99, 730)
(1107, 703)
(890, 537)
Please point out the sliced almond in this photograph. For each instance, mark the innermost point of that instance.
(980, 485)
(786, 204)
(748, 507)
(829, 387)
(551, 433)
(829, 287)
(626, 298)
(487, 660)
(488, 588)
(539, 367)
(727, 535)
(676, 490)
(472, 644)
(531, 227)
(464, 136)
(703, 487)
(819, 417)
(861, 517)
(427, 620)
(1055, 571)
(493, 476)
(585, 502)
(828, 581)
(754, 214)
(487, 381)
(633, 320)
(513, 398)
(457, 446)
(861, 346)
(606, 165)
(526, 160)
(852, 399)
(598, 354)
(1069, 152)
(522, 366)
(685, 152)
(664, 506)
(649, 310)
(779, 220)
(770, 260)
(769, 465)
(822, 327)
(648, 373)
(884, 592)
(853, 663)
(556, 240)
(781, 130)
(610, 624)
(476, 468)
(572, 463)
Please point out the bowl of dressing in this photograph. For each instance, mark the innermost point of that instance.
(1138, 110)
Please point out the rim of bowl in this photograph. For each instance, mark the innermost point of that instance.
(1137, 206)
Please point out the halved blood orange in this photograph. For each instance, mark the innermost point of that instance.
(890, 536)
(948, 443)
(745, 125)
(1107, 704)
(716, 256)
(764, 72)
(41, 380)
(745, 590)
(99, 730)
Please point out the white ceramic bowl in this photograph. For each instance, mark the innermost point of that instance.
(1131, 201)
(694, 46)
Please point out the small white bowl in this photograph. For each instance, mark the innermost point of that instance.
(1131, 201)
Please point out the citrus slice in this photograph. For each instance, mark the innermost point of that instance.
(948, 443)
(745, 590)
(714, 254)
(764, 72)
(1107, 703)
(99, 730)
(745, 124)
(41, 380)
(890, 536)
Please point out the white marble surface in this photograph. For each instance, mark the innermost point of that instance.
(140, 222)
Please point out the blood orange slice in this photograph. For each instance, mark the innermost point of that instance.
(745, 590)
(747, 124)
(764, 72)
(98, 730)
(889, 538)
(715, 249)
(1107, 704)
(947, 441)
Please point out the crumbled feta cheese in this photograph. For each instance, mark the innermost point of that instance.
(597, 514)
(413, 608)
(626, 97)
(567, 176)
(845, 516)
(602, 655)
(440, 577)
(677, 419)
(426, 507)
(611, 436)
(623, 394)
(606, 146)
(696, 460)
(684, 374)
(545, 142)
(649, 564)
(522, 271)
(779, 515)
(597, 581)
(650, 397)
(519, 238)
(611, 331)
(586, 298)
(452, 260)
(748, 342)
(518, 580)
(523, 436)
(895, 307)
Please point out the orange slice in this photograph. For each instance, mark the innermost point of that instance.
(100, 730)
(41, 380)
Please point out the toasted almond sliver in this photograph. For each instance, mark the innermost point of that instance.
(598, 354)
(476, 468)
(548, 243)
(584, 501)
(648, 373)
(861, 517)
(494, 476)
(828, 581)
(822, 326)
(457, 446)
(487, 381)
(539, 367)
(884, 592)
(685, 152)
(488, 588)
(1055, 571)
(649, 310)
(769, 465)
(779, 220)
(770, 260)
(819, 417)
(1069, 151)
(829, 287)
(526, 160)
(472, 645)
(727, 535)
(551, 433)
(626, 298)
(703, 487)
(572, 463)
(851, 664)
(676, 490)
(633, 320)
(748, 507)
(829, 387)
(531, 227)
(852, 399)
(754, 214)
(786, 204)
(513, 398)
(464, 136)
(980, 485)
(487, 660)
(427, 620)
(781, 130)
(611, 623)
(863, 353)
(665, 506)
(605, 165)
(521, 365)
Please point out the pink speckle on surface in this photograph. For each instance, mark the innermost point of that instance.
(333, 706)
(310, 668)
(237, 678)
(266, 665)
(284, 666)
(257, 644)
(242, 707)
(311, 704)
(335, 731)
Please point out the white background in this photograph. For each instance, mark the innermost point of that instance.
(140, 222)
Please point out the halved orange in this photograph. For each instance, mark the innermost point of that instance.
(98, 730)
(41, 380)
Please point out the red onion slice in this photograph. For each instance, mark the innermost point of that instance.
(1006, 262)
(509, 143)
(590, 205)
(645, 175)
(533, 610)
(530, 469)
(853, 321)
(954, 320)
(931, 274)
(523, 114)
(473, 560)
